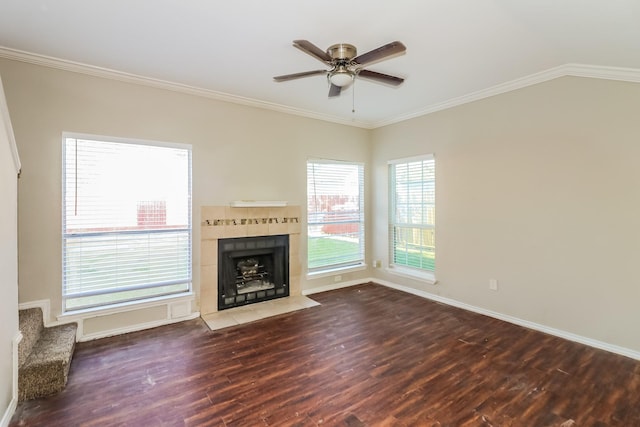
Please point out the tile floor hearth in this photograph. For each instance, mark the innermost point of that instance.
(249, 313)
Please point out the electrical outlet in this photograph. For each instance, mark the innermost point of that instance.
(493, 284)
(337, 278)
(377, 263)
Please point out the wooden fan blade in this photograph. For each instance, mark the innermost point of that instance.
(311, 49)
(379, 77)
(298, 75)
(334, 91)
(380, 53)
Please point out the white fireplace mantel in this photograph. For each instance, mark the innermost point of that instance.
(258, 204)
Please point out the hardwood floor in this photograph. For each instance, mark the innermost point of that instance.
(368, 356)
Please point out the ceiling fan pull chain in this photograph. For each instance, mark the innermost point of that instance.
(353, 96)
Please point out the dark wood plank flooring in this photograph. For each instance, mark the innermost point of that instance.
(368, 356)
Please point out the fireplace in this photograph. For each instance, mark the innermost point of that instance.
(252, 269)
(225, 222)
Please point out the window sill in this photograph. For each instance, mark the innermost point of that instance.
(125, 306)
(409, 273)
(339, 270)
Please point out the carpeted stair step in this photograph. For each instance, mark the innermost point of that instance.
(31, 326)
(45, 369)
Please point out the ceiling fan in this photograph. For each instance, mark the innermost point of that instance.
(346, 64)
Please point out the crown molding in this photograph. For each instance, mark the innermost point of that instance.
(91, 70)
(566, 70)
(601, 72)
(573, 70)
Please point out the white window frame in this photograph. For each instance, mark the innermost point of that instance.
(426, 275)
(314, 221)
(186, 236)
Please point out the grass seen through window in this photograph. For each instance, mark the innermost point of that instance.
(325, 250)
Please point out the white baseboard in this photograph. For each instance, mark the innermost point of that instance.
(178, 310)
(612, 348)
(623, 351)
(136, 327)
(333, 286)
(8, 413)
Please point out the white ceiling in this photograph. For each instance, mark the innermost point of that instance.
(456, 49)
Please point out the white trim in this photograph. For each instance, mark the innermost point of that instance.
(515, 320)
(11, 408)
(336, 270)
(333, 286)
(631, 75)
(90, 70)
(567, 70)
(612, 348)
(17, 339)
(422, 276)
(258, 204)
(137, 327)
(573, 70)
(8, 413)
(172, 315)
(119, 140)
(4, 112)
(124, 307)
(412, 159)
(168, 301)
(326, 161)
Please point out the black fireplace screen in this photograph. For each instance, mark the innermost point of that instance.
(252, 269)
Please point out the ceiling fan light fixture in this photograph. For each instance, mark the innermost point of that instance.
(341, 77)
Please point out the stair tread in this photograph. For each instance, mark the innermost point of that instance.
(56, 344)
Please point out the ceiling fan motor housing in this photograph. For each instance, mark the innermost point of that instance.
(343, 72)
(342, 51)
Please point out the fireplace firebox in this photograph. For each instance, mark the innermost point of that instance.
(252, 269)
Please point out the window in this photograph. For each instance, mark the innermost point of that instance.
(335, 209)
(126, 221)
(412, 216)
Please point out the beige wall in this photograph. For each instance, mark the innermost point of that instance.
(8, 262)
(539, 189)
(238, 153)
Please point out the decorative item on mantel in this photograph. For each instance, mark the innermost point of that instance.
(258, 204)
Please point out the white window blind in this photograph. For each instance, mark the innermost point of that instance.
(412, 216)
(335, 209)
(126, 221)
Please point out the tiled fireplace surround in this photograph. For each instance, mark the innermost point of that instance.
(221, 222)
